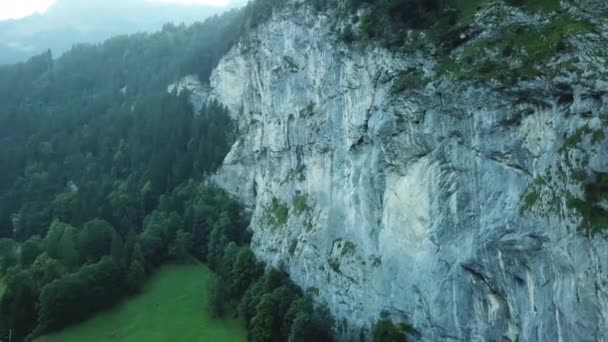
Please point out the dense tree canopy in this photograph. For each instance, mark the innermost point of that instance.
(94, 134)
(101, 164)
(103, 180)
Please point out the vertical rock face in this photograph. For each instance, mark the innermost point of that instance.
(446, 204)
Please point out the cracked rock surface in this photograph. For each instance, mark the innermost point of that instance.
(411, 202)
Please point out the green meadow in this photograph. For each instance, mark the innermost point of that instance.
(173, 307)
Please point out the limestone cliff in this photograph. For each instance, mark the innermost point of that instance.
(466, 205)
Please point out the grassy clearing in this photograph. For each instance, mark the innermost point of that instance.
(172, 308)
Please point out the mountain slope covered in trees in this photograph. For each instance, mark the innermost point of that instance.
(103, 180)
(94, 149)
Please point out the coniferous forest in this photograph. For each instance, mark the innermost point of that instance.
(103, 180)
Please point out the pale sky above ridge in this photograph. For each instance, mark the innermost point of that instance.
(16, 9)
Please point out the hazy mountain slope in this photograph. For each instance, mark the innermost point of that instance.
(69, 21)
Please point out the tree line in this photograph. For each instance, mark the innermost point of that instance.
(100, 168)
(73, 273)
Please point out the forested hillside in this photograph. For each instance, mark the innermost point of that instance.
(103, 175)
(99, 170)
(98, 124)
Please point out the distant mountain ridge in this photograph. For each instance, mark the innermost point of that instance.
(69, 22)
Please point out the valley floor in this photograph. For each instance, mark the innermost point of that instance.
(172, 307)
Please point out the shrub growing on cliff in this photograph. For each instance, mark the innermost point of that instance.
(594, 214)
(388, 20)
(535, 5)
(347, 35)
(385, 330)
(277, 214)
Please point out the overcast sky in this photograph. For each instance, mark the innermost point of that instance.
(15, 9)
